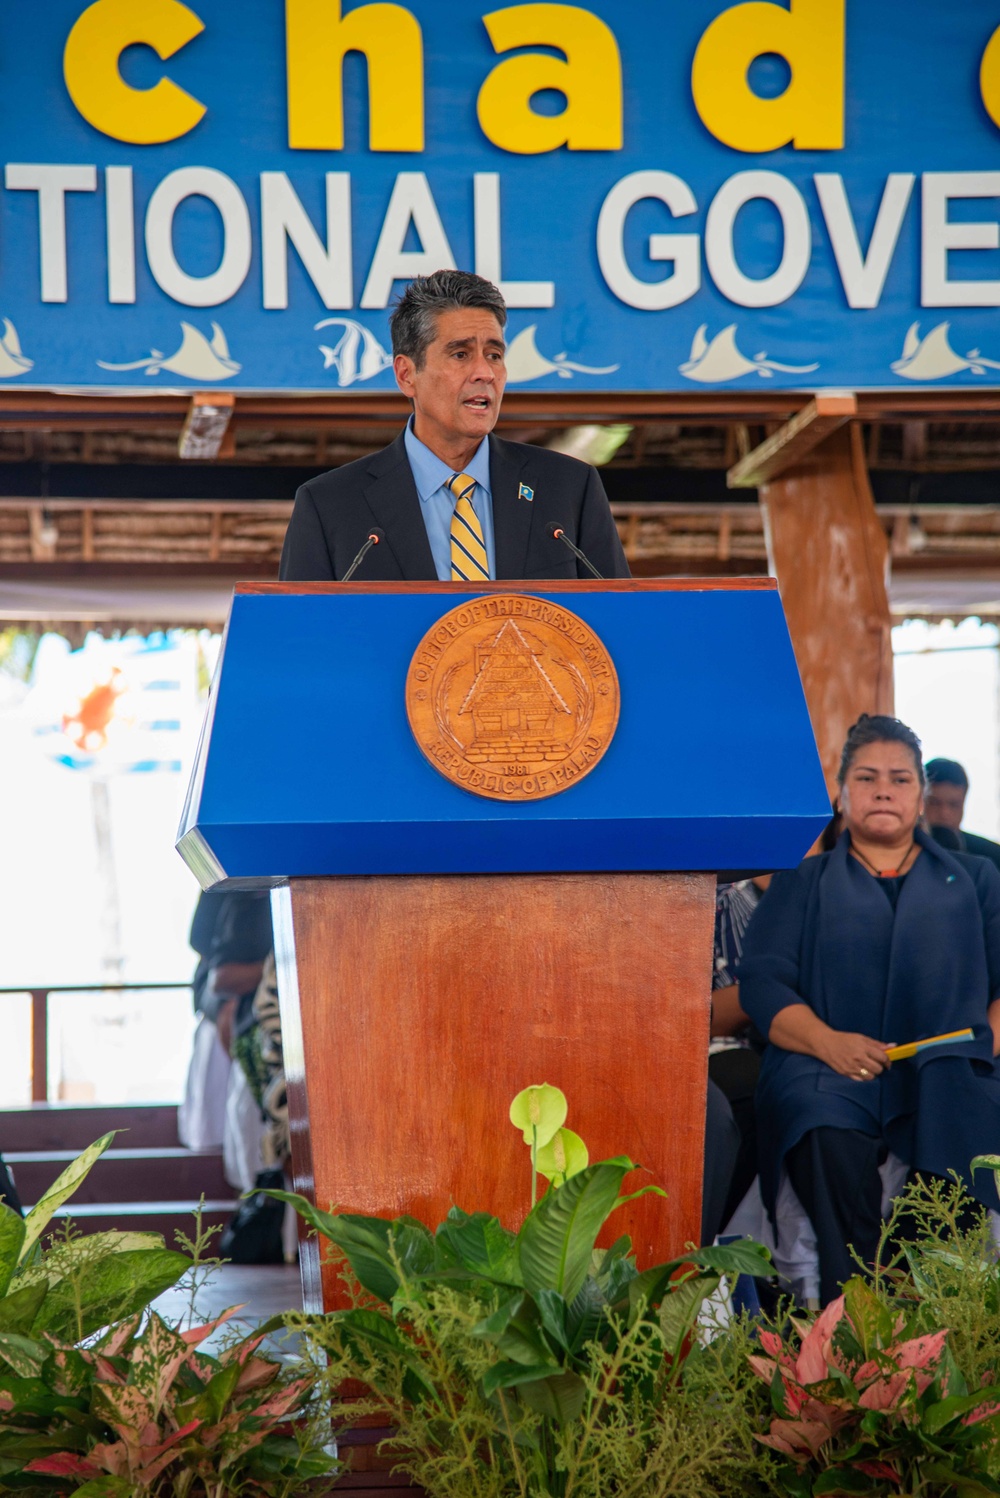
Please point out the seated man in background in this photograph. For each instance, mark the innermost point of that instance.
(944, 807)
(734, 1054)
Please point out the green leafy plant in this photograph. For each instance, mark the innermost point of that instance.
(99, 1396)
(861, 1404)
(145, 1413)
(532, 1363)
(80, 1282)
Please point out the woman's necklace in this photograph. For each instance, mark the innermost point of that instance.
(884, 873)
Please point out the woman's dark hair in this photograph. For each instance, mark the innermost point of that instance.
(414, 318)
(879, 728)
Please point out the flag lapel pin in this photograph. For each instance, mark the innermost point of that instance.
(524, 492)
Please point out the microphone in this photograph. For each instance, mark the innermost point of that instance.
(375, 535)
(558, 534)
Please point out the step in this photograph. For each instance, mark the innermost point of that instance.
(147, 1217)
(72, 1126)
(122, 1175)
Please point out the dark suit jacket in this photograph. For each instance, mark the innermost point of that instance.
(334, 512)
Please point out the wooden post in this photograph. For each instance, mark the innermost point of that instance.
(829, 553)
(39, 1045)
(423, 1004)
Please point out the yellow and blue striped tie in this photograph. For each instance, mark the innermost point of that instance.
(469, 562)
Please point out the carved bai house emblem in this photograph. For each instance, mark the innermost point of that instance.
(512, 697)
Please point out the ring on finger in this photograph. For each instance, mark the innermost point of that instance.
(864, 1073)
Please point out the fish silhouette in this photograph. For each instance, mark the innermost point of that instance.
(524, 362)
(357, 353)
(933, 358)
(198, 357)
(719, 361)
(12, 361)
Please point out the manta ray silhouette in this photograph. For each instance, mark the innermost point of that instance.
(524, 362)
(933, 358)
(718, 362)
(12, 361)
(198, 358)
(357, 353)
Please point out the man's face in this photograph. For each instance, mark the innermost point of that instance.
(945, 805)
(457, 391)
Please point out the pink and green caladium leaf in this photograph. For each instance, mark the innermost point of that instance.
(970, 1408)
(565, 1155)
(539, 1112)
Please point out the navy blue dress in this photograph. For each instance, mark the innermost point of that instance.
(825, 935)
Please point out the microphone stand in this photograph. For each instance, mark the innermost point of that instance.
(558, 534)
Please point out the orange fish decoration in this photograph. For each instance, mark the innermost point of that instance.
(88, 726)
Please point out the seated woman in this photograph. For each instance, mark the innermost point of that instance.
(888, 938)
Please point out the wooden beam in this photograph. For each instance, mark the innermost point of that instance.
(827, 547)
(206, 425)
(22, 410)
(806, 430)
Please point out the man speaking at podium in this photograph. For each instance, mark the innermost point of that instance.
(446, 499)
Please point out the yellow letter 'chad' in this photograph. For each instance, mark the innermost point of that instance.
(989, 77)
(590, 79)
(317, 38)
(143, 116)
(810, 113)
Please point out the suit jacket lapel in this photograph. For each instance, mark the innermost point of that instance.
(392, 497)
(512, 516)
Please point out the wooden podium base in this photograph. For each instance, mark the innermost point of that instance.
(413, 1009)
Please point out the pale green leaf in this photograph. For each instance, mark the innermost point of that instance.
(60, 1191)
(565, 1155)
(106, 1487)
(679, 1310)
(872, 1321)
(11, 1243)
(557, 1238)
(19, 1309)
(95, 1293)
(988, 1162)
(539, 1111)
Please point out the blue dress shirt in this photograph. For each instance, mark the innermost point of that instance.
(437, 503)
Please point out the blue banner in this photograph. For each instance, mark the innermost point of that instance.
(673, 196)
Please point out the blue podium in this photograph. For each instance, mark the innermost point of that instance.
(446, 934)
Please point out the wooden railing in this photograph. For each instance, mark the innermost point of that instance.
(40, 1020)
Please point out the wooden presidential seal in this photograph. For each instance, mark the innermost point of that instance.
(512, 697)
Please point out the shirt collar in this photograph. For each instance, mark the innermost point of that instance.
(430, 474)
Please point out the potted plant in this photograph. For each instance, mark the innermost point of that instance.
(532, 1362)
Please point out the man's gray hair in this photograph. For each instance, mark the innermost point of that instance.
(413, 323)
